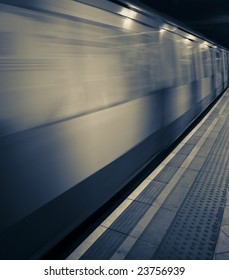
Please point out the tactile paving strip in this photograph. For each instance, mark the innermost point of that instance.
(166, 174)
(130, 217)
(177, 160)
(194, 231)
(186, 149)
(193, 140)
(104, 247)
(151, 192)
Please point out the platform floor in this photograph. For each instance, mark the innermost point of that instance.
(181, 210)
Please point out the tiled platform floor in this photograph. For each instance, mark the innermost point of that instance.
(222, 248)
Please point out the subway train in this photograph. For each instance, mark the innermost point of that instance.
(91, 92)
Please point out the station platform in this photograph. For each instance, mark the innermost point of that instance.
(181, 210)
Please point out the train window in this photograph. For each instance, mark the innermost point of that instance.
(197, 62)
(141, 61)
(225, 63)
(206, 61)
(225, 67)
(184, 49)
(218, 61)
(168, 59)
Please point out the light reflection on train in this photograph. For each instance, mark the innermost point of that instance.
(89, 95)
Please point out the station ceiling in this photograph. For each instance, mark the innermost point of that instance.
(208, 17)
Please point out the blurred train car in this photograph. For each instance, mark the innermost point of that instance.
(91, 92)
